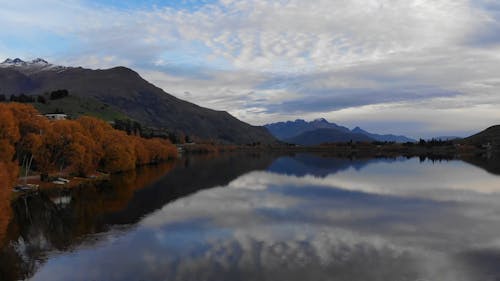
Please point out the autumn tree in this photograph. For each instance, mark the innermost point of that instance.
(32, 126)
(9, 135)
(119, 153)
(76, 146)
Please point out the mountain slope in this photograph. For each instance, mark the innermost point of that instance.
(126, 91)
(388, 138)
(320, 136)
(491, 135)
(290, 129)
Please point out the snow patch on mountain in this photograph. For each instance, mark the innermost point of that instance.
(33, 66)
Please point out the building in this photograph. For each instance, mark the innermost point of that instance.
(56, 116)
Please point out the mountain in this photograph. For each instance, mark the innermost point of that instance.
(287, 131)
(126, 91)
(30, 67)
(383, 138)
(327, 135)
(290, 129)
(491, 135)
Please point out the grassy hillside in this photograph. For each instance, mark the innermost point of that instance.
(78, 106)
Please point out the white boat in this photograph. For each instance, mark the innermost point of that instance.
(59, 182)
(63, 180)
(26, 187)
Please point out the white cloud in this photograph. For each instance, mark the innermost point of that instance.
(256, 58)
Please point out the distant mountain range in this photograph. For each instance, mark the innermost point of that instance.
(319, 136)
(388, 138)
(321, 131)
(125, 91)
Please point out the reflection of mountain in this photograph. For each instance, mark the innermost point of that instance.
(316, 165)
(192, 176)
(491, 163)
(63, 220)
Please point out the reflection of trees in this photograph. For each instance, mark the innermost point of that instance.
(42, 223)
(190, 175)
(5, 211)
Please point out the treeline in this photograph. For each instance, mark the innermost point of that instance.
(23, 98)
(78, 147)
(135, 128)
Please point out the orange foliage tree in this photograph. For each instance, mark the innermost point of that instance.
(76, 146)
(119, 152)
(9, 135)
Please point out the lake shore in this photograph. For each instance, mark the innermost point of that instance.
(473, 154)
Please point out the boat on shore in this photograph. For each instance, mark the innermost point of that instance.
(26, 187)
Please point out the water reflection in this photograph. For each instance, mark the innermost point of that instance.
(301, 217)
(60, 221)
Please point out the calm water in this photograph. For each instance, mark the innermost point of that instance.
(260, 217)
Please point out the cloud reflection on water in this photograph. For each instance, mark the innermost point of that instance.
(382, 220)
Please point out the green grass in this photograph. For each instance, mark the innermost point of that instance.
(77, 106)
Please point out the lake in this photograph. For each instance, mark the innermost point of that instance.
(265, 217)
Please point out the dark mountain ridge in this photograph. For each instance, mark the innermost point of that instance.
(383, 138)
(299, 130)
(290, 129)
(126, 91)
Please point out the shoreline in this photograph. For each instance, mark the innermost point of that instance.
(353, 151)
(74, 181)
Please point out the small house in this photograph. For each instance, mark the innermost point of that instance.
(56, 116)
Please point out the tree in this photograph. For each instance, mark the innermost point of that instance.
(26, 99)
(119, 154)
(59, 94)
(76, 146)
(9, 134)
(41, 99)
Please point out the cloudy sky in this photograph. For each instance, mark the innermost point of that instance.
(418, 67)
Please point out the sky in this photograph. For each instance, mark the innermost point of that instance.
(422, 68)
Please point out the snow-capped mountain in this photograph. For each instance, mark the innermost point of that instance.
(32, 66)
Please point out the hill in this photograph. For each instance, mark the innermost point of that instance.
(491, 135)
(320, 136)
(125, 91)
